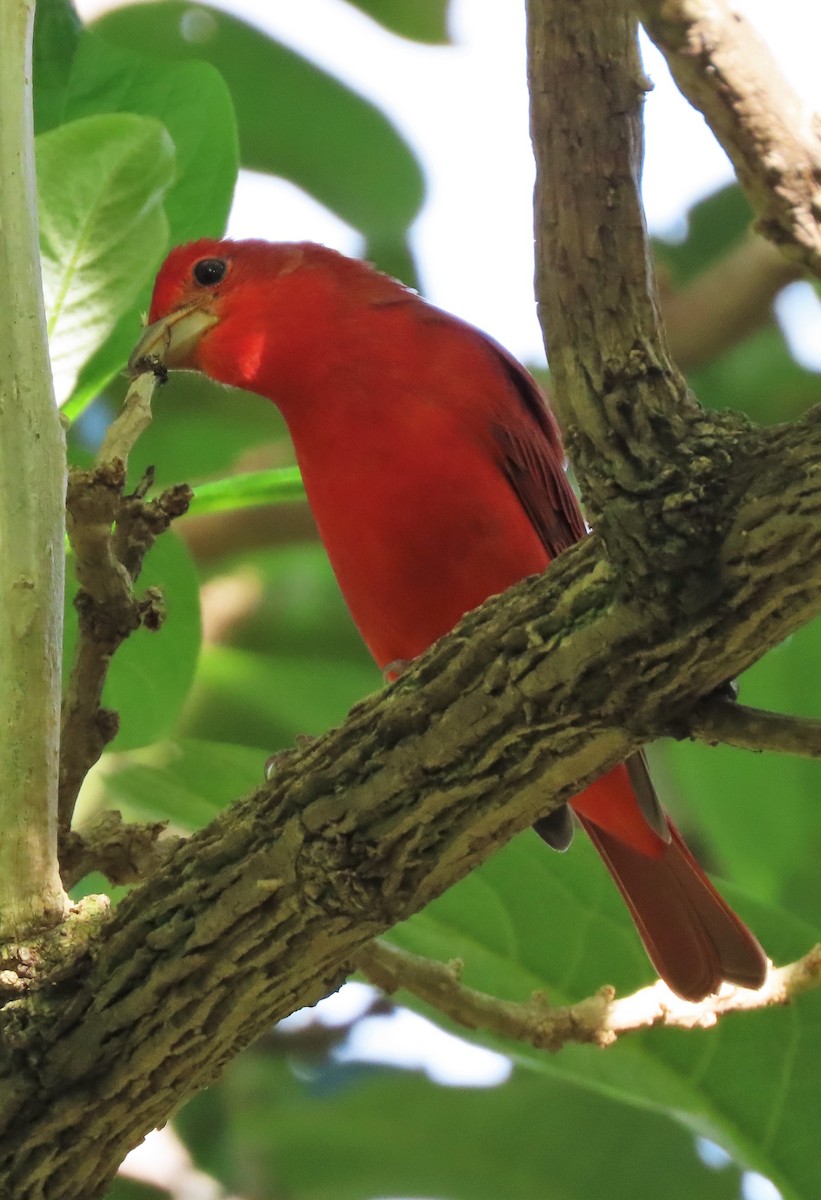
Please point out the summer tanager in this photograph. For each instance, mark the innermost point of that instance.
(434, 469)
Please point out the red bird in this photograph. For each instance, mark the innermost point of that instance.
(434, 469)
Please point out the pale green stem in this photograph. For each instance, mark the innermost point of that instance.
(32, 521)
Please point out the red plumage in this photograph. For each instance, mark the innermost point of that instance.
(434, 470)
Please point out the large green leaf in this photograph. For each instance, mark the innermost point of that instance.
(151, 673)
(421, 20)
(192, 101)
(760, 377)
(103, 232)
(294, 119)
(761, 811)
(186, 782)
(259, 699)
(713, 226)
(528, 920)
(354, 1135)
(56, 34)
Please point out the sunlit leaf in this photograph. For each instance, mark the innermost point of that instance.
(103, 232)
(356, 1134)
(192, 101)
(245, 491)
(294, 119)
(528, 920)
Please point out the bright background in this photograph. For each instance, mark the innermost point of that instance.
(463, 109)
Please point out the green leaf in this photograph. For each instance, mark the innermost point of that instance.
(390, 1133)
(713, 225)
(760, 377)
(186, 782)
(279, 486)
(151, 673)
(56, 34)
(258, 699)
(760, 810)
(294, 119)
(192, 101)
(421, 20)
(528, 920)
(103, 232)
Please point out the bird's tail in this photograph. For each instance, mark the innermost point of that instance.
(692, 936)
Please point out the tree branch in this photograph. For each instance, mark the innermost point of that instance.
(110, 535)
(727, 72)
(32, 486)
(262, 911)
(650, 466)
(718, 719)
(124, 853)
(599, 1020)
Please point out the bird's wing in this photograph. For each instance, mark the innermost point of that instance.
(532, 457)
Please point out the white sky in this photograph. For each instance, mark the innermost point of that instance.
(464, 109)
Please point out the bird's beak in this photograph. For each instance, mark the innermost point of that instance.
(171, 341)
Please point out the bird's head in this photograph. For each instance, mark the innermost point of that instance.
(243, 312)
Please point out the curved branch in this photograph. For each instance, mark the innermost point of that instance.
(727, 72)
(599, 1020)
(110, 535)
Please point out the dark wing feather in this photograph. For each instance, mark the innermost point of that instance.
(532, 458)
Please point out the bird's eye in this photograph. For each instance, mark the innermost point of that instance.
(209, 271)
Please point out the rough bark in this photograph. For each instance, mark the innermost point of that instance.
(258, 914)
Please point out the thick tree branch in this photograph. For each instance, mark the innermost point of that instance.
(262, 911)
(32, 486)
(599, 1020)
(727, 72)
(650, 466)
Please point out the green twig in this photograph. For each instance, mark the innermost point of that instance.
(32, 487)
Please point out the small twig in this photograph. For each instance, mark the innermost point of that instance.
(727, 72)
(718, 719)
(600, 1019)
(110, 535)
(123, 853)
(132, 420)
